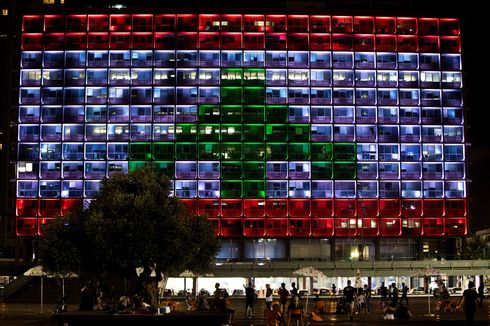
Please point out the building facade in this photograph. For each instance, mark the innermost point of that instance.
(299, 136)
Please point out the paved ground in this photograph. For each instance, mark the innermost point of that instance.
(28, 314)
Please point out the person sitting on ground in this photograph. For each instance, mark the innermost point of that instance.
(273, 316)
(319, 307)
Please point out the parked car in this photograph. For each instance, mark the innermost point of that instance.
(303, 293)
(322, 291)
(238, 292)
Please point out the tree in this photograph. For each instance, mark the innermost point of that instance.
(133, 222)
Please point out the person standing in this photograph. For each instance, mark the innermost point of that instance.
(268, 297)
(249, 300)
(349, 292)
(481, 295)
(294, 290)
(283, 298)
(367, 294)
(404, 294)
(469, 298)
(394, 295)
(384, 292)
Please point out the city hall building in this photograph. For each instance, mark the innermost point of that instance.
(300, 136)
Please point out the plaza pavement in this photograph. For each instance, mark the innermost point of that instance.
(28, 314)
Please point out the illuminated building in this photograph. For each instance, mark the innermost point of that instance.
(288, 131)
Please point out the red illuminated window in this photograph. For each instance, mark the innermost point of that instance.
(231, 23)
(76, 41)
(53, 40)
(142, 23)
(231, 227)
(187, 23)
(253, 40)
(27, 207)
(299, 207)
(345, 207)
(254, 227)
(143, 41)
(297, 41)
(363, 24)
(120, 41)
(433, 226)
(345, 226)
(297, 23)
(164, 23)
(450, 44)
(455, 226)
(253, 23)
(209, 207)
(433, 207)
(322, 227)
(98, 41)
(319, 24)
(367, 226)
(231, 40)
(69, 204)
(449, 26)
(26, 227)
(411, 207)
(275, 41)
(389, 207)
(76, 23)
(386, 42)
(364, 43)
(98, 23)
(319, 42)
(455, 207)
(406, 25)
(208, 40)
(32, 41)
(231, 207)
(385, 25)
(299, 227)
(54, 23)
(276, 207)
(209, 23)
(50, 207)
(367, 208)
(407, 43)
(341, 42)
(275, 23)
(254, 207)
(428, 26)
(389, 226)
(412, 226)
(429, 44)
(277, 227)
(165, 41)
(341, 24)
(321, 208)
(120, 23)
(32, 24)
(191, 205)
(186, 41)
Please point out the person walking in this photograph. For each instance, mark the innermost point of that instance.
(384, 293)
(469, 298)
(404, 294)
(348, 294)
(367, 294)
(481, 295)
(249, 300)
(268, 297)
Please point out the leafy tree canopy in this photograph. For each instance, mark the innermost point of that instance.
(133, 222)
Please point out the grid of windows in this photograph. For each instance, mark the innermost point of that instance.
(271, 125)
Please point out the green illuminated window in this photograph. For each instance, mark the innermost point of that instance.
(299, 151)
(321, 151)
(253, 114)
(209, 113)
(231, 170)
(276, 132)
(186, 132)
(254, 189)
(231, 95)
(253, 170)
(231, 151)
(163, 151)
(321, 170)
(344, 152)
(167, 168)
(254, 95)
(231, 113)
(344, 170)
(209, 151)
(136, 165)
(140, 151)
(299, 132)
(253, 151)
(276, 113)
(209, 132)
(231, 188)
(231, 76)
(276, 151)
(253, 132)
(231, 132)
(185, 151)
